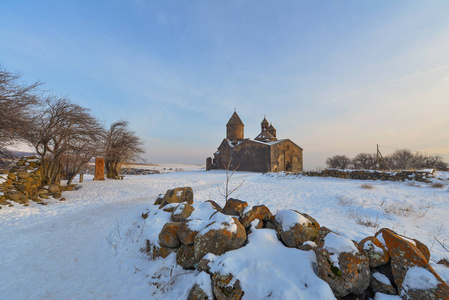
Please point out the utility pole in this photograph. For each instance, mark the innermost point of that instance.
(378, 165)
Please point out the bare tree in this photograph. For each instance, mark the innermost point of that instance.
(364, 161)
(63, 128)
(228, 190)
(121, 145)
(338, 162)
(402, 159)
(17, 102)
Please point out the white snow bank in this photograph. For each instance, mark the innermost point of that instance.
(203, 210)
(267, 269)
(418, 278)
(289, 219)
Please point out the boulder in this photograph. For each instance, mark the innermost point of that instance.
(188, 230)
(169, 235)
(380, 283)
(375, 250)
(182, 212)
(223, 290)
(178, 195)
(170, 207)
(414, 277)
(223, 234)
(234, 207)
(159, 199)
(295, 228)
(423, 248)
(185, 257)
(260, 212)
(203, 265)
(342, 263)
(197, 293)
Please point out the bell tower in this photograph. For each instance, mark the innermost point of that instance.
(234, 128)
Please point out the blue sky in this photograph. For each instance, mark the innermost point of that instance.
(336, 77)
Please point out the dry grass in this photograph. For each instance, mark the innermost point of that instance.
(344, 201)
(413, 183)
(367, 186)
(364, 220)
(406, 209)
(437, 185)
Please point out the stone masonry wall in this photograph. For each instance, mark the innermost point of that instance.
(422, 176)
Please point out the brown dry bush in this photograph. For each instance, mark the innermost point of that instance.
(437, 185)
(367, 186)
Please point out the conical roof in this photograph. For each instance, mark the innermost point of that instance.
(235, 120)
(264, 121)
(271, 127)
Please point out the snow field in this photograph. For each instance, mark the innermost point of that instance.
(88, 247)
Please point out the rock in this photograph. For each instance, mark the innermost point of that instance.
(159, 199)
(62, 199)
(53, 189)
(234, 207)
(203, 265)
(307, 246)
(215, 205)
(224, 233)
(197, 293)
(407, 261)
(223, 291)
(423, 248)
(295, 228)
(375, 250)
(57, 195)
(260, 212)
(169, 235)
(381, 284)
(178, 195)
(23, 175)
(182, 212)
(189, 229)
(155, 252)
(342, 263)
(185, 257)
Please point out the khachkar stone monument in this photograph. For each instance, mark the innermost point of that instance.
(99, 168)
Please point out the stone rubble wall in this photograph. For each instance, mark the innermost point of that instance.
(23, 182)
(422, 176)
(376, 264)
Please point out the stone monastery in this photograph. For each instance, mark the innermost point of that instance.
(263, 154)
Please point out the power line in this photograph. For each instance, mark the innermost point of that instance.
(414, 150)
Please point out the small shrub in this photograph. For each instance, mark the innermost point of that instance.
(365, 220)
(437, 185)
(344, 201)
(367, 186)
(444, 262)
(413, 183)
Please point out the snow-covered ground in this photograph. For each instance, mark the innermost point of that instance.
(88, 246)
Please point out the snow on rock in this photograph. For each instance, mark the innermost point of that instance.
(335, 245)
(418, 278)
(267, 269)
(382, 296)
(289, 219)
(382, 278)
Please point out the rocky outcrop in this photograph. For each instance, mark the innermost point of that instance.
(197, 293)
